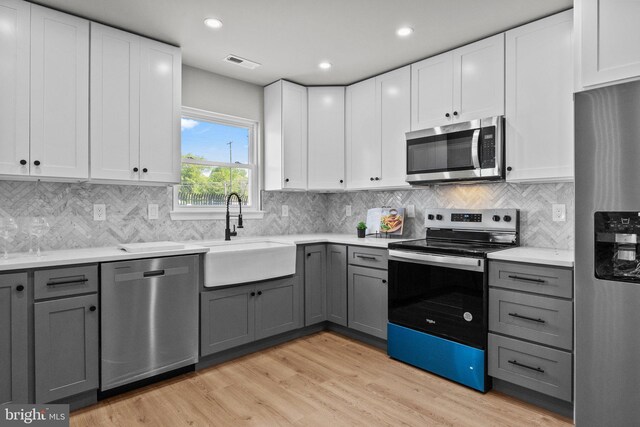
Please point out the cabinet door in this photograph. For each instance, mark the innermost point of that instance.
(393, 108)
(115, 100)
(160, 111)
(59, 94)
(540, 90)
(610, 36)
(315, 284)
(326, 138)
(277, 307)
(478, 79)
(432, 92)
(294, 136)
(337, 284)
(14, 339)
(368, 301)
(363, 150)
(14, 87)
(226, 318)
(66, 347)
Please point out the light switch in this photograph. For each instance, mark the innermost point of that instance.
(152, 210)
(285, 210)
(348, 210)
(411, 211)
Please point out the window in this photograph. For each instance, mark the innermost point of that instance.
(219, 156)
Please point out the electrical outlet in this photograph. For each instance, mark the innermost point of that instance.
(152, 210)
(559, 212)
(348, 210)
(285, 210)
(99, 212)
(411, 211)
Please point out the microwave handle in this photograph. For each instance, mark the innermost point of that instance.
(475, 146)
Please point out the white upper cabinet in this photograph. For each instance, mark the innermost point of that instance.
(393, 109)
(285, 122)
(464, 84)
(478, 79)
(363, 149)
(135, 107)
(432, 91)
(326, 138)
(115, 104)
(609, 36)
(59, 94)
(14, 87)
(160, 111)
(539, 101)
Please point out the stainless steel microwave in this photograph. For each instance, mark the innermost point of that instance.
(468, 151)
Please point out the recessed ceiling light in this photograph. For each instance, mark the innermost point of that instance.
(325, 65)
(213, 23)
(404, 31)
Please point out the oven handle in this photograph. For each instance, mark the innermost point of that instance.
(461, 263)
(475, 157)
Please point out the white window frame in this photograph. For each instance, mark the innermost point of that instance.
(252, 211)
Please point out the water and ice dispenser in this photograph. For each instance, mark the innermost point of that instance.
(616, 246)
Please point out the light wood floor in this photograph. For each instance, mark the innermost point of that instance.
(323, 380)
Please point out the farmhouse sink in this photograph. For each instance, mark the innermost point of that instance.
(233, 262)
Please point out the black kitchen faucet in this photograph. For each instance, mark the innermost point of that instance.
(227, 231)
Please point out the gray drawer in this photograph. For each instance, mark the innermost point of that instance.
(368, 257)
(533, 366)
(535, 318)
(539, 279)
(65, 281)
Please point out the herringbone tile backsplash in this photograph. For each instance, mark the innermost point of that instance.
(69, 210)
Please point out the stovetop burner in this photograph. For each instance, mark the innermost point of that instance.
(466, 232)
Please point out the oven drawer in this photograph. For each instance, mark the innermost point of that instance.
(368, 257)
(538, 279)
(533, 366)
(65, 281)
(534, 318)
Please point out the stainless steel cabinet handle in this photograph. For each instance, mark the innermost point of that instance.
(526, 318)
(527, 279)
(67, 282)
(515, 362)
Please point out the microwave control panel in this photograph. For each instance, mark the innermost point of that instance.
(488, 147)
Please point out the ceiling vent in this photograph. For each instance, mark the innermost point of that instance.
(233, 59)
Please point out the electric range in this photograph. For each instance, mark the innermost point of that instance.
(438, 292)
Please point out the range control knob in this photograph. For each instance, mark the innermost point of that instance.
(430, 216)
(506, 218)
(439, 217)
(496, 218)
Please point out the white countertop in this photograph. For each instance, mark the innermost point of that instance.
(18, 261)
(556, 257)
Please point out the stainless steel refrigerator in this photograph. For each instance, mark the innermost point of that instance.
(607, 267)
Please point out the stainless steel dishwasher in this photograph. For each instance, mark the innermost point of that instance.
(149, 318)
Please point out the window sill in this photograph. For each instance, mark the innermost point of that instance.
(206, 214)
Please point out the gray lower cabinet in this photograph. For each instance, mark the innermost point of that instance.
(315, 284)
(227, 318)
(66, 347)
(367, 297)
(276, 307)
(337, 284)
(239, 315)
(14, 339)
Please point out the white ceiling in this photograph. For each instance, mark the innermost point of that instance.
(290, 37)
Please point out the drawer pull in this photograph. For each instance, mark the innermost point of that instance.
(154, 273)
(372, 258)
(527, 279)
(515, 362)
(526, 318)
(67, 282)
